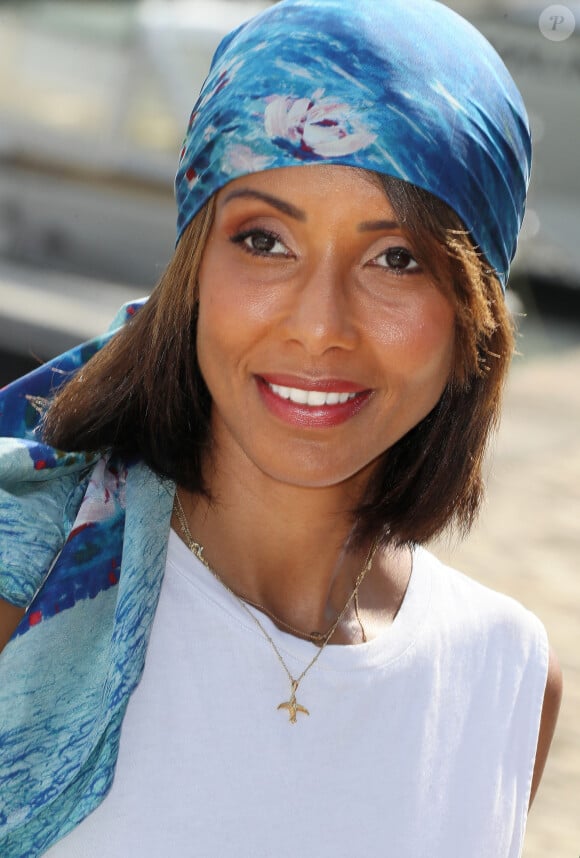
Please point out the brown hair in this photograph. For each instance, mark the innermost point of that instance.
(143, 393)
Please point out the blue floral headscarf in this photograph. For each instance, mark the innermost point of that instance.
(406, 88)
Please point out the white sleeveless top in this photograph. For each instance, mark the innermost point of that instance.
(419, 743)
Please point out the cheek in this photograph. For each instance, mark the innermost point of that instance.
(433, 347)
(422, 339)
(228, 325)
(219, 300)
(419, 353)
(228, 299)
(216, 341)
(211, 321)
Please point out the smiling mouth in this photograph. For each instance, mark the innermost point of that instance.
(313, 398)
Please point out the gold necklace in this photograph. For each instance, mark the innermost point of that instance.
(315, 637)
(291, 705)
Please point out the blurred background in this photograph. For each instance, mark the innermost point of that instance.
(94, 100)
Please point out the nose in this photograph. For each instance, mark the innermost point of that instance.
(321, 315)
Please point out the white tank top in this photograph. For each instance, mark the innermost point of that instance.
(419, 743)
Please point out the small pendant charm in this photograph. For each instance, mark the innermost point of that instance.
(293, 707)
(197, 549)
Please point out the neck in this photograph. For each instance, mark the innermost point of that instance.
(283, 547)
(286, 548)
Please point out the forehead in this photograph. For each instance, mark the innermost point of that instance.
(331, 185)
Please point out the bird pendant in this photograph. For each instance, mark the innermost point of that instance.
(292, 706)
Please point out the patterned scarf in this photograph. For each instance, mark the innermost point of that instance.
(406, 88)
(78, 543)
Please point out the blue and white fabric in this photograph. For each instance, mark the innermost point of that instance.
(80, 548)
(407, 88)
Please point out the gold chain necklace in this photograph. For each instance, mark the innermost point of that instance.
(315, 637)
(291, 705)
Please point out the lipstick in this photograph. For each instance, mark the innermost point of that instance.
(316, 403)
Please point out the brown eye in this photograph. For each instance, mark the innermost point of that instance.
(261, 243)
(396, 259)
(399, 259)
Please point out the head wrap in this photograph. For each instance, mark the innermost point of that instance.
(406, 88)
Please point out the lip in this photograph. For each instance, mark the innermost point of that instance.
(331, 385)
(308, 416)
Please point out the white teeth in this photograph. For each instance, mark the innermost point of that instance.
(310, 397)
(316, 397)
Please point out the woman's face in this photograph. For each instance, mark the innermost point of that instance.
(321, 340)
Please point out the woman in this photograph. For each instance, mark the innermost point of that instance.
(261, 449)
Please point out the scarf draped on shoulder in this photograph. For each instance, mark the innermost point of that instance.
(82, 551)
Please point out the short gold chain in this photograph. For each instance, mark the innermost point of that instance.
(292, 706)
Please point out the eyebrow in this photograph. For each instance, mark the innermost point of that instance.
(298, 214)
(377, 225)
(281, 205)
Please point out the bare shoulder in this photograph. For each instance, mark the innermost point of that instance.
(10, 616)
(550, 710)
